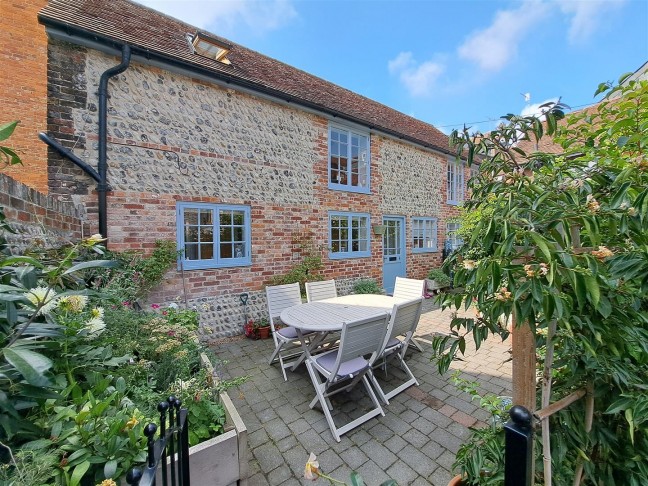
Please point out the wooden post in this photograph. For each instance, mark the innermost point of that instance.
(524, 365)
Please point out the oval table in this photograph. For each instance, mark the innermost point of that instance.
(329, 315)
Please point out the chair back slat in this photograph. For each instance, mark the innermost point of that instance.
(320, 290)
(360, 338)
(408, 288)
(281, 297)
(404, 320)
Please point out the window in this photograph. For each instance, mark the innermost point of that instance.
(348, 160)
(348, 235)
(455, 182)
(453, 241)
(213, 235)
(207, 46)
(424, 235)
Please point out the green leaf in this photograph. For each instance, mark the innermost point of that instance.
(92, 264)
(29, 364)
(593, 289)
(541, 243)
(7, 129)
(629, 419)
(79, 472)
(110, 468)
(356, 479)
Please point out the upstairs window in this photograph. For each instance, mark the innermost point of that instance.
(424, 235)
(213, 235)
(348, 235)
(348, 160)
(455, 182)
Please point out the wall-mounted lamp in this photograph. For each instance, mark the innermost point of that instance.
(379, 229)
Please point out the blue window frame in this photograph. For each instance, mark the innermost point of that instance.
(213, 235)
(349, 235)
(424, 235)
(455, 182)
(453, 241)
(348, 160)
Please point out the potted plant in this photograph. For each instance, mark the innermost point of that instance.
(437, 280)
(257, 330)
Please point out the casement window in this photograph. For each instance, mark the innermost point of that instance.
(453, 241)
(213, 235)
(348, 160)
(424, 235)
(455, 182)
(348, 235)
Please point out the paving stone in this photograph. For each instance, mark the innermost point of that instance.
(448, 440)
(372, 473)
(277, 429)
(379, 453)
(280, 475)
(329, 460)
(354, 457)
(395, 444)
(296, 459)
(287, 443)
(381, 432)
(257, 438)
(299, 426)
(446, 459)
(268, 456)
(359, 436)
(440, 476)
(313, 442)
(258, 480)
(402, 473)
(423, 425)
(416, 438)
(418, 461)
(432, 449)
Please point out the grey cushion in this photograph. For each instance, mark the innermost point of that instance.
(291, 333)
(348, 369)
(393, 342)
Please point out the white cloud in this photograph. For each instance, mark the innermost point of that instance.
(223, 16)
(586, 16)
(535, 110)
(493, 47)
(418, 79)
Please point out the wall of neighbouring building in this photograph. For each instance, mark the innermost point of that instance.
(23, 60)
(36, 218)
(173, 138)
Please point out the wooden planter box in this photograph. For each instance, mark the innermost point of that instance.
(223, 460)
(432, 285)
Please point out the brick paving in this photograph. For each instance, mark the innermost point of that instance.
(414, 443)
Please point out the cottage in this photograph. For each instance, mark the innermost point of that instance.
(241, 159)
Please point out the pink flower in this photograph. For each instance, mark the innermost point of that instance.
(155, 306)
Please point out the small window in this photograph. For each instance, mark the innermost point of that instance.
(348, 160)
(453, 241)
(209, 47)
(213, 235)
(348, 235)
(455, 182)
(424, 235)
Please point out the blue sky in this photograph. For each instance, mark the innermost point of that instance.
(446, 62)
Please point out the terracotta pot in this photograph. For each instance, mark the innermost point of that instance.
(263, 332)
(456, 481)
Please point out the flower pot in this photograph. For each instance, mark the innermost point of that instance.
(456, 481)
(263, 332)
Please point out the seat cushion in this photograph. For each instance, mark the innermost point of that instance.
(290, 332)
(392, 343)
(348, 369)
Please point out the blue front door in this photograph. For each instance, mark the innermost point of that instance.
(393, 251)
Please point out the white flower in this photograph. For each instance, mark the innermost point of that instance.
(172, 305)
(95, 326)
(469, 264)
(311, 471)
(43, 297)
(94, 239)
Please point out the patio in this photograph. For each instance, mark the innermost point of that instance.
(414, 443)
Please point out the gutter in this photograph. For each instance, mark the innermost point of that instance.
(70, 33)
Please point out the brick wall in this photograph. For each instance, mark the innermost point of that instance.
(172, 138)
(38, 219)
(23, 57)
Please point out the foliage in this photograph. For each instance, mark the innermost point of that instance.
(306, 270)
(7, 155)
(439, 277)
(481, 458)
(136, 274)
(366, 286)
(28, 468)
(567, 242)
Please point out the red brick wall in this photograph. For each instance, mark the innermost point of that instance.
(23, 57)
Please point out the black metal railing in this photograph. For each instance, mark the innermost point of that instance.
(518, 467)
(170, 450)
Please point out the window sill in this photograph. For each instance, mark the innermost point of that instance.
(357, 190)
(348, 256)
(211, 265)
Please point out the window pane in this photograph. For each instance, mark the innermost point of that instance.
(191, 234)
(191, 216)
(226, 250)
(191, 251)
(238, 234)
(206, 234)
(206, 251)
(226, 217)
(206, 217)
(239, 218)
(239, 250)
(226, 234)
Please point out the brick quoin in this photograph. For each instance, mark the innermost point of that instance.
(23, 55)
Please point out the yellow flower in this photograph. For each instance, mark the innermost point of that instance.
(529, 271)
(107, 482)
(503, 295)
(73, 303)
(132, 422)
(312, 471)
(592, 204)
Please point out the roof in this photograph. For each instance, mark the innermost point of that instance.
(154, 35)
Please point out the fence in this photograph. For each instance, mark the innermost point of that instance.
(170, 450)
